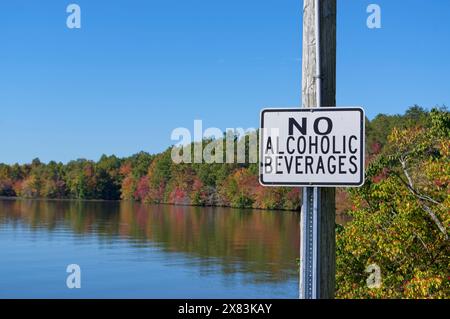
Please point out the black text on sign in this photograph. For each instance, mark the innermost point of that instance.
(312, 147)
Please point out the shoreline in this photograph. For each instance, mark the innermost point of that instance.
(341, 218)
(11, 198)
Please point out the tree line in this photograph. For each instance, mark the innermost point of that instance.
(154, 178)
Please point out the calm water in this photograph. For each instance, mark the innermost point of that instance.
(130, 250)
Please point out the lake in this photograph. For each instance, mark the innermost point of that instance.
(132, 250)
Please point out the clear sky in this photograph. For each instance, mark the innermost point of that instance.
(137, 69)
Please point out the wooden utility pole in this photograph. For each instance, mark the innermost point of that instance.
(318, 269)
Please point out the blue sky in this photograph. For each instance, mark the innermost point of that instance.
(137, 69)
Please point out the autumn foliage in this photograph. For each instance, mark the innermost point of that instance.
(401, 218)
(156, 179)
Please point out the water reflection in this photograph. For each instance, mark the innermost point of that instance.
(262, 243)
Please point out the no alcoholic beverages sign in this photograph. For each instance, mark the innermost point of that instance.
(312, 147)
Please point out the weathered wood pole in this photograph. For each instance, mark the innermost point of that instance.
(326, 271)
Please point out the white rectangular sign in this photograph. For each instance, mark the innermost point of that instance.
(321, 147)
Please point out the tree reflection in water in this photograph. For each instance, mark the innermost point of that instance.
(262, 243)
